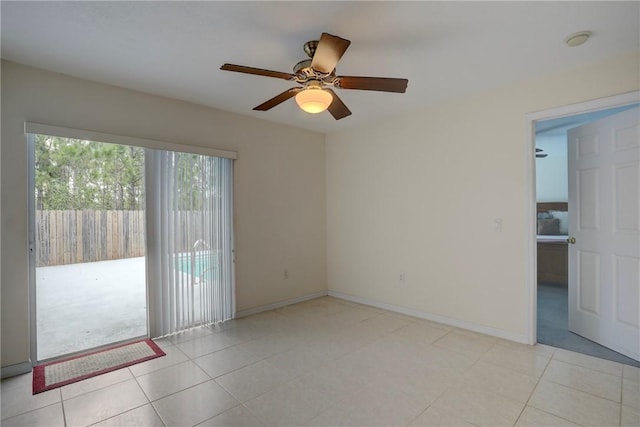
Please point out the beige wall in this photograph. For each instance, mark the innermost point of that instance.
(419, 194)
(279, 184)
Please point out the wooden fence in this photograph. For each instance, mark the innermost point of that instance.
(69, 237)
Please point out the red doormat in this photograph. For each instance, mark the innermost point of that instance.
(77, 368)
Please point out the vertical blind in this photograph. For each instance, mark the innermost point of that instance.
(189, 240)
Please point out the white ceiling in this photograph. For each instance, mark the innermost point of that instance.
(445, 49)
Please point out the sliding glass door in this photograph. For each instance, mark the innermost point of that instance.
(125, 241)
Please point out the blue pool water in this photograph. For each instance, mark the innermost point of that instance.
(204, 263)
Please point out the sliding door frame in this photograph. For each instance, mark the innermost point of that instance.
(31, 183)
(31, 129)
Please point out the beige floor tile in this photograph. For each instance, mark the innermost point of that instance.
(473, 346)
(333, 305)
(630, 417)
(422, 386)
(541, 349)
(17, 396)
(238, 416)
(302, 311)
(357, 335)
(50, 416)
(393, 355)
(172, 379)
(299, 360)
(631, 393)
(433, 417)
(448, 361)
(397, 346)
(191, 334)
(527, 361)
(244, 331)
(574, 405)
(332, 417)
(356, 315)
(360, 365)
(361, 333)
(194, 405)
(421, 332)
(631, 373)
(166, 343)
(328, 326)
(590, 362)
(325, 329)
(333, 381)
(253, 380)
(270, 345)
(593, 382)
(173, 356)
(502, 381)
(532, 417)
(143, 416)
(375, 406)
(205, 345)
(104, 403)
(95, 383)
(474, 334)
(334, 346)
(225, 361)
(479, 407)
(291, 404)
(387, 323)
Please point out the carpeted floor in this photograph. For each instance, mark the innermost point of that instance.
(553, 326)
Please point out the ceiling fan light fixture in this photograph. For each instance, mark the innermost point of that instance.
(314, 100)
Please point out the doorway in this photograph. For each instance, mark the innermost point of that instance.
(548, 290)
(87, 244)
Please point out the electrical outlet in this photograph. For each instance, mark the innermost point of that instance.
(402, 277)
(285, 275)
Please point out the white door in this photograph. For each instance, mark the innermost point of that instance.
(604, 211)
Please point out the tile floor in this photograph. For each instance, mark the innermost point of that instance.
(328, 362)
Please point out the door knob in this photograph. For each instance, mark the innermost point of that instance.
(571, 240)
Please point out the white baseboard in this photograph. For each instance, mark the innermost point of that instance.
(280, 304)
(17, 369)
(433, 317)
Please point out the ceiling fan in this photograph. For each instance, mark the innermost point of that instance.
(540, 154)
(317, 75)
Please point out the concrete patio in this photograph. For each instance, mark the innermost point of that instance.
(81, 306)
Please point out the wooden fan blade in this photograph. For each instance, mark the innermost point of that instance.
(541, 156)
(329, 51)
(278, 99)
(381, 84)
(337, 108)
(257, 71)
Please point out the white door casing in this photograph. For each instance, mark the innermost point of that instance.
(604, 219)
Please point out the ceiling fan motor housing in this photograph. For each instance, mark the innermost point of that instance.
(302, 67)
